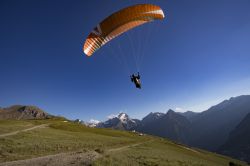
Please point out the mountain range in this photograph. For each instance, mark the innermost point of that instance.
(223, 128)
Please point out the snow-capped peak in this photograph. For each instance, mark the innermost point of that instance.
(123, 117)
(119, 121)
(92, 123)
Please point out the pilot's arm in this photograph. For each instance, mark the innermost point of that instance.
(131, 78)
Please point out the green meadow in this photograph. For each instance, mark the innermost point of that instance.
(115, 147)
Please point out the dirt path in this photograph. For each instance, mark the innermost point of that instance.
(65, 159)
(128, 146)
(28, 129)
(187, 148)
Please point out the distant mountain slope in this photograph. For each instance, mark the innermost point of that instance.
(151, 117)
(189, 115)
(238, 143)
(121, 122)
(170, 125)
(211, 128)
(23, 112)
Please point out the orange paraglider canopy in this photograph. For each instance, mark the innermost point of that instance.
(120, 22)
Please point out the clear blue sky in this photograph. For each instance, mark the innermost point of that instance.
(198, 56)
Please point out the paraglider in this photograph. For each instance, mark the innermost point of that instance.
(119, 23)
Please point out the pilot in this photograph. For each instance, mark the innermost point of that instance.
(136, 80)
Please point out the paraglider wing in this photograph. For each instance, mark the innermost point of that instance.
(120, 22)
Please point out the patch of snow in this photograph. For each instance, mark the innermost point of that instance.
(122, 117)
(158, 114)
(112, 116)
(94, 121)
(132, 120)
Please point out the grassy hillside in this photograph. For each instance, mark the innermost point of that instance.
(115, 147)
(7, 126)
